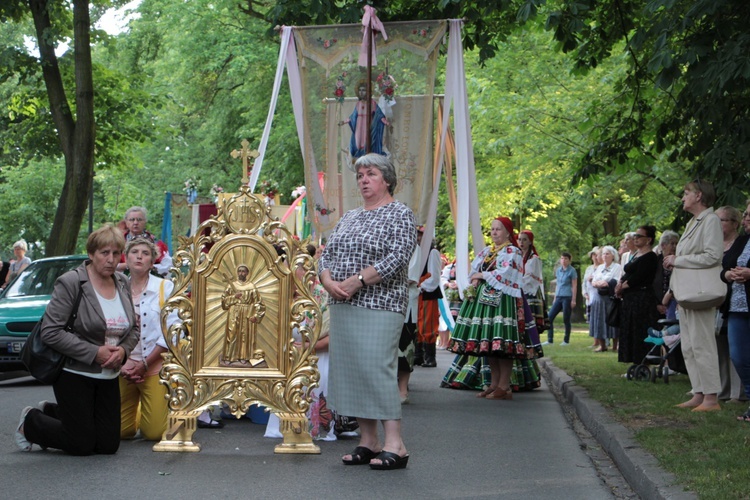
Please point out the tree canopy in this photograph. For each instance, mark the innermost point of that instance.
(588, 117)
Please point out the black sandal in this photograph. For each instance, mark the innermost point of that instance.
(745, 417)
(390, 461)
(360, 456)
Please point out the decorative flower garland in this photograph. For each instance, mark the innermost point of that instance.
(269, 188)
(323, 210)
(386, 85)
(452, 295)
(422, 32)
(339, 90)
(327, 43)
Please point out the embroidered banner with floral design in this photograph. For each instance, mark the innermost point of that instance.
(403, 106)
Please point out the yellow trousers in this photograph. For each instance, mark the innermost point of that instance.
(143, 406)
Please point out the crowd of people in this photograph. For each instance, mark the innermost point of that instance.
(634, 293)
(387, 309)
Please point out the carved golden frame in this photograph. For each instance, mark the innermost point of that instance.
(242, 232)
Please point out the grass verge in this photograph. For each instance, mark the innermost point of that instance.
(707, 452)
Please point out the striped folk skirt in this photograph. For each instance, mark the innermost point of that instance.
(491, 324)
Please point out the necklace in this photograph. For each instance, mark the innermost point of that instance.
(494, 250)
(140, 289)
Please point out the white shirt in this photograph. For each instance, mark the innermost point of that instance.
(414, 273)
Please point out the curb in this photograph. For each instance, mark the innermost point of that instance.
(639, 468)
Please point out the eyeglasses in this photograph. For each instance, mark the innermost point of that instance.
(136, 219)
(639, 236)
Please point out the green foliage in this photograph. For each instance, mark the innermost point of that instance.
(211, 97)
(579, 144)
(685, 98)
(531, 121)
(28, 199)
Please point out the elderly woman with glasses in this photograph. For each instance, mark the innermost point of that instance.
(135, 220)
(667, 305)
(603, 280)
(736, 272)
(731, 386)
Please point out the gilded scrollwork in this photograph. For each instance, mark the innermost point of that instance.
(238, 301)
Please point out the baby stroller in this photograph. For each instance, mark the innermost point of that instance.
(665, 356)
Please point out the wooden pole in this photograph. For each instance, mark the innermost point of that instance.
(368, 139)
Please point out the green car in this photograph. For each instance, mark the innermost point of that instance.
(23, 303)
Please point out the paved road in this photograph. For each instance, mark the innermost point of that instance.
(460, 446)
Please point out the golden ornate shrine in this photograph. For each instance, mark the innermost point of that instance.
(235, 297)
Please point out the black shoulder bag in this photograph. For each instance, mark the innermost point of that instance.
(43, 362)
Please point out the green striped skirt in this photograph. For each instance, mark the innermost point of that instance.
(491, 324)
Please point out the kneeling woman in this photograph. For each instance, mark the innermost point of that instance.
(86, 417)
(144, 405)
(492, 324)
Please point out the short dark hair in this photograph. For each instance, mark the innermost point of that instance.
(566, 254)
(650, 232)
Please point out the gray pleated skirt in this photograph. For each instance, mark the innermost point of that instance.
(363, 350)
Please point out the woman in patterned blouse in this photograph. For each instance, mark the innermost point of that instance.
(492, 323)
(364, 269)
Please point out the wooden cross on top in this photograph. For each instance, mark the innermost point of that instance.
(245, 153)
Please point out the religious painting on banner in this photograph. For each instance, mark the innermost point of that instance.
(402, 112)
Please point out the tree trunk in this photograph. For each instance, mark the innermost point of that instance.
(76, 135)
(611, 223)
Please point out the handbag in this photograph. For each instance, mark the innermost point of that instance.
(43, 362)
(614, 314)
(490, 297)
(698, 288)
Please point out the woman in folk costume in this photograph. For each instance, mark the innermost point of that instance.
(492, 324)
(526, 371)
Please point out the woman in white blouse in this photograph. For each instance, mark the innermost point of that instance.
(601, 301)
(533, 282)
(142, 396)
(492, 323)
(587, 289)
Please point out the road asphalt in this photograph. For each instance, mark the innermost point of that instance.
(461, 447)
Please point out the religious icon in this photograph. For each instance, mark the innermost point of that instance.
(245, 310)
(358, 143)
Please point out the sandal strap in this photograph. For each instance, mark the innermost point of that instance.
(388, 458)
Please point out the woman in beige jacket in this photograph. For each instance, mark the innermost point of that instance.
(701, 247)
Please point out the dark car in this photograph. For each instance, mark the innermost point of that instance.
(23, 303)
